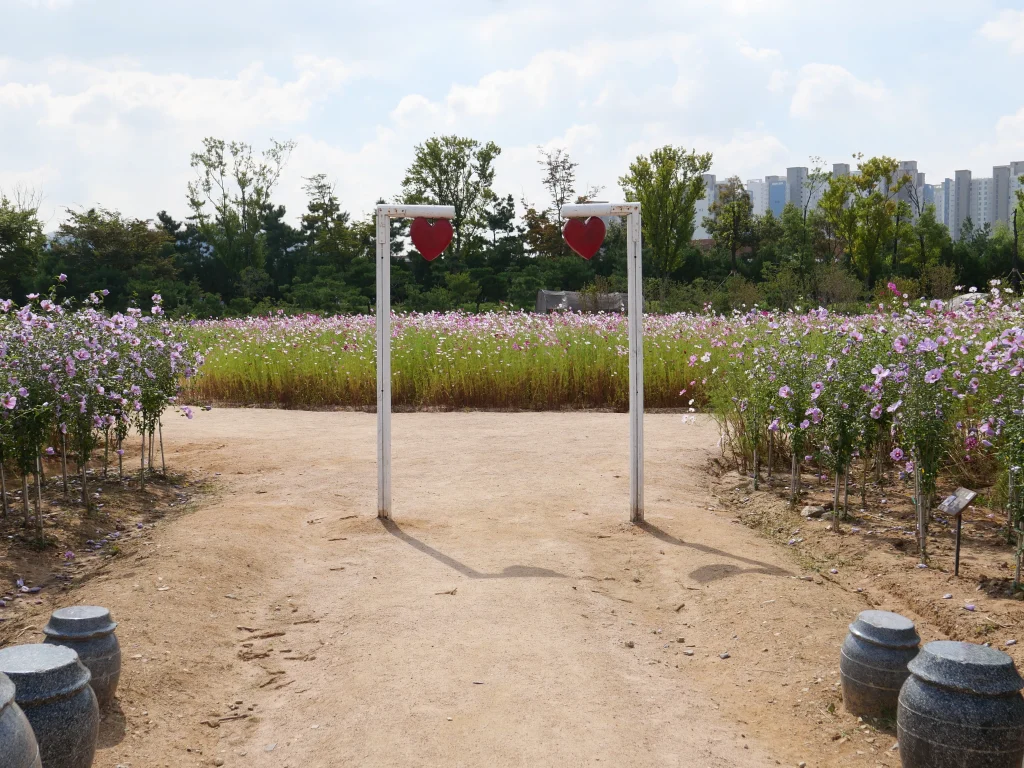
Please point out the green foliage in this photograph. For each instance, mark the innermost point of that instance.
(21, 246)
(667, 184)
(239, 252)
(456, 171)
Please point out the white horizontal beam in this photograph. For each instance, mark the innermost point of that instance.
(413, 211)
(586, 210)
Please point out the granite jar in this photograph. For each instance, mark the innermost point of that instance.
(873, 662)
(89, 631)
(52, 688)
(18, 747)
(961, 706)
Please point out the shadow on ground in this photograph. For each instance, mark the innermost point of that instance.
(511, 572)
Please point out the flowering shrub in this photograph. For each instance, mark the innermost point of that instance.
(919, 382)
(76, 375)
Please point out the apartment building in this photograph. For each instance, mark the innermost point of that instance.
(985, 200)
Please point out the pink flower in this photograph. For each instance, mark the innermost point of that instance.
(785, 391)
(896, 454)
(9, 402)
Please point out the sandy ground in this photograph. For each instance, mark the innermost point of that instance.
(509, 617)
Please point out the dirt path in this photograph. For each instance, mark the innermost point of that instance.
(510, 617)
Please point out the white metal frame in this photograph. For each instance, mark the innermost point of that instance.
(631, 211)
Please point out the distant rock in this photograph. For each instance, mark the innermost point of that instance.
(812, 511)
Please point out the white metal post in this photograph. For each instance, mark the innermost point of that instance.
(635, 325)
(383, 364)
(635, 300)
(384, 215)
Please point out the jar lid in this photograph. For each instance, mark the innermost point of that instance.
(42, 672)
(886, 629)
(967, 667)
(79, 622)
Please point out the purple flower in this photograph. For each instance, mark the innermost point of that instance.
(49, 451)
(927, 345)
(82, 354)
(876, 411)
(187, 411)
(896, 454)
(785, 391)
(774, 426)
(895, 406)
(62, 278)
(815, 414)
(9, 401)
(933, 375)
(805, 424)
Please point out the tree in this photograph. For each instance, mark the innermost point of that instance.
(456, 171)
(21, 245)
(667, 184)
(100, 249)
(230, 196)
(462, 288)
(731, 219)
(559, 179)
(932, 238)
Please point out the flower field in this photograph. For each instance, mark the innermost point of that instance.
(452, 360)
(914, 389)
(75, 380)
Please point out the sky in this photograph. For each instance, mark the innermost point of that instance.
(102, 102)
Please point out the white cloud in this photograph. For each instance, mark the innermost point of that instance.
(1005, 145)
(74, 89)
(745, 153)
(758, 54)
(1007, 27)
(51, 5)
(824, 91)
(779, 80)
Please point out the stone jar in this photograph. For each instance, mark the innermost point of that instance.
(18, 747)
(89, 631)
(961, 706)
(873, 662)
(52, 688)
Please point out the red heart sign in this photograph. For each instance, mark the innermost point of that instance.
(430, 239)
(584, 237)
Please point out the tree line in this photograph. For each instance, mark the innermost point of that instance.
(236, 252)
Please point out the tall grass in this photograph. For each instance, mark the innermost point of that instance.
(453, 360)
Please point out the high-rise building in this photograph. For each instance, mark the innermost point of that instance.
(796, 191)
(943, 201)
(960, 210)
(778, 189)
(758, 191)
(983, 200)
(907, 168)
(940, 199)
(840, 169)
(1001, 191)
(1016, 171)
